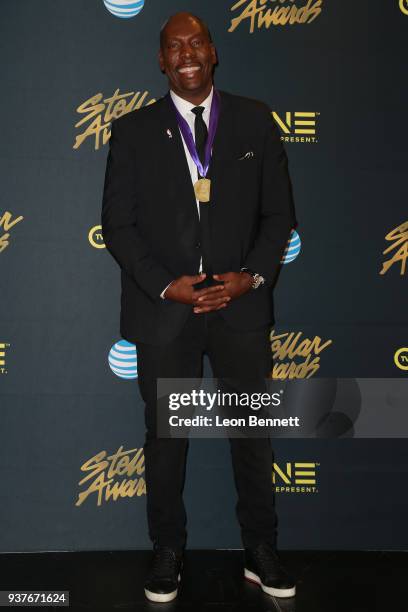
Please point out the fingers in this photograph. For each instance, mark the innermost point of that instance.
(197, 278)
(198, 293)
(213, 301)
(213, 304)
(209, 309)
(223, 277)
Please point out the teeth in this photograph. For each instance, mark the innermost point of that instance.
(189, 69)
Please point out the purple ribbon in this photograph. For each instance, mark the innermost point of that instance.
(188, 136)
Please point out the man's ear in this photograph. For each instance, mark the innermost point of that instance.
(161, 60)
(214, 54)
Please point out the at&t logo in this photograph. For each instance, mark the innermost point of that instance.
(124, 8)
(292, 249)
(123, 359)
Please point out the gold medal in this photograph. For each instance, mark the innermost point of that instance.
(202, 189)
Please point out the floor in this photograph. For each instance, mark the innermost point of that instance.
(212, 581)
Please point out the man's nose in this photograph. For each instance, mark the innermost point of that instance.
(187, 52)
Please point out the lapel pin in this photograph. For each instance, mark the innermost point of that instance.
(247, 155)
(169, 134)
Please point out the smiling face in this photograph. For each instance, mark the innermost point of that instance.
(187, 56)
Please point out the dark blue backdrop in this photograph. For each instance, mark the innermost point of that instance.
(61, 404)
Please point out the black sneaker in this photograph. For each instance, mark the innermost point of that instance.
(165, 574)
(262, 566)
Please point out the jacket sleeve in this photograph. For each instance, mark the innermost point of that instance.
(277, 210)
(119, 228)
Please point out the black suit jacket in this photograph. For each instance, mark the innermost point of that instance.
(150, 222)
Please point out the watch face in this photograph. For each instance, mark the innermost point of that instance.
(258, 280)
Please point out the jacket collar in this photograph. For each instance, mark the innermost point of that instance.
(184, 106)
(224, 127)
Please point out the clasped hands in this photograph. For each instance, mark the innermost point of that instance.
(234, 284)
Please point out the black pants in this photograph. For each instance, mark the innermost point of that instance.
(233, 354)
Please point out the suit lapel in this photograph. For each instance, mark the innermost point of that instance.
(175, 158)
(223, 135)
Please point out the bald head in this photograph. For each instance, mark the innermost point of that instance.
(183, 17)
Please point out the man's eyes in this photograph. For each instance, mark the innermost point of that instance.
(195, 43)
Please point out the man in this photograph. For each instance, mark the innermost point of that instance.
(197, 211)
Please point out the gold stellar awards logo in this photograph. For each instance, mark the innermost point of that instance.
(403, 4)
(399, 244)
(3, 347)
(298, 126)
(6, 222)
(264, 13)
(114, 476)
(295, 477)
(294, 356)
(99, 112)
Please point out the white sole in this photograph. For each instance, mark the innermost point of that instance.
(269, 590)
(162, 597)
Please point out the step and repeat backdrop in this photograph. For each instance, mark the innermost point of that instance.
(71, 416)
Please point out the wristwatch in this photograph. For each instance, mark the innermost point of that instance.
(257, 279)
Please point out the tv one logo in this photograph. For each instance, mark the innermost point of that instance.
(295, 477)
(3, 347)
(298, 126)
(401, 358)
(95, 237)
(403, 4)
